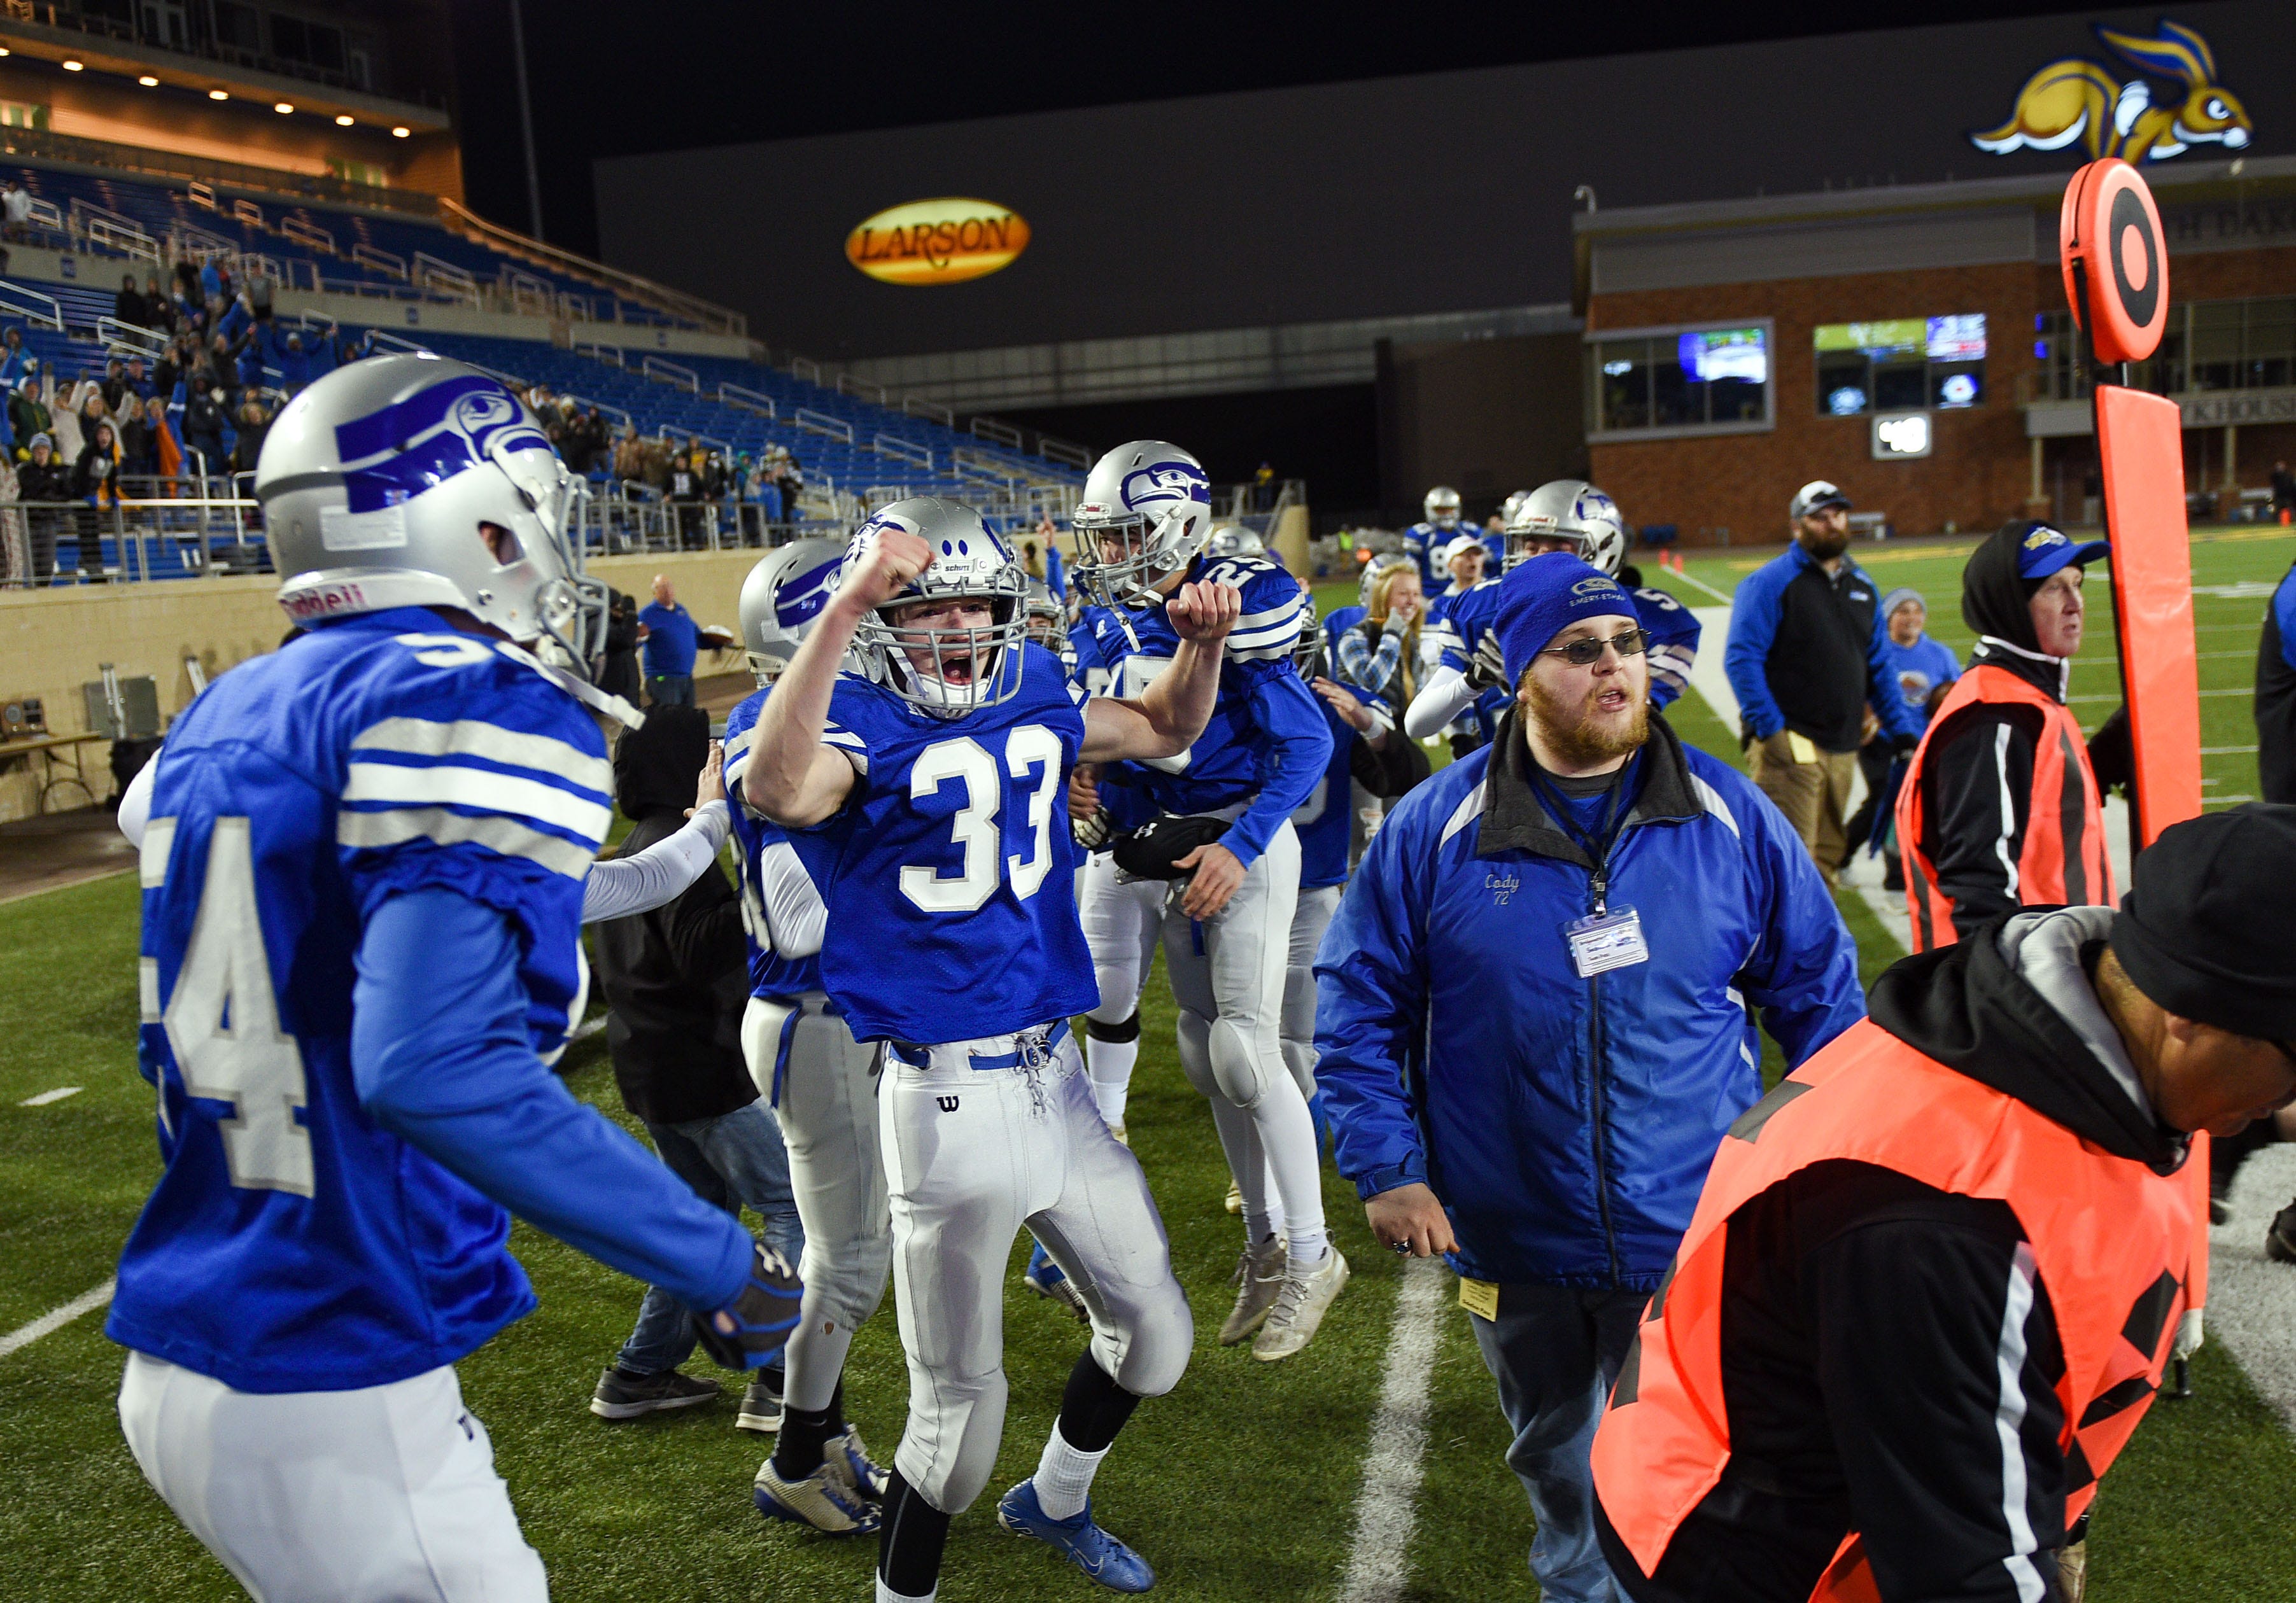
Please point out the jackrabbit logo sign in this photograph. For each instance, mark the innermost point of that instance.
(2173, 103)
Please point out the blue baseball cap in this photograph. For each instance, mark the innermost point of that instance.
(2042, 549)
(1546, 595)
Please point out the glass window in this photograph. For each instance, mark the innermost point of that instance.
(2215, 345)
(2271, 343)
(1956, 383)
(1902, 363)
(1622, 382)
(1681, 379)
(1677, 400)
(1844, 383)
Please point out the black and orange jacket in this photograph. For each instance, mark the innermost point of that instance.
(1929, 1292)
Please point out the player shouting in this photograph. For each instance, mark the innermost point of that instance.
(938, 778)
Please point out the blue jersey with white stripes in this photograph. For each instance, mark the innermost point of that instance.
(292, 1244)
(1120, 785)
(952, 914)
(782, 873)
(1266, 741)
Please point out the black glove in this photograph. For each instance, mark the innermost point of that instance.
(758, 1320)
(1488, 670)
(2111, 755)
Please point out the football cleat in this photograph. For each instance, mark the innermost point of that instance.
(1300, 1304)
(868, 1476)
(1100, 1556)
(1258, 1276)
(1235, 1203)
(1117, 1131)
(825, 1500)
(1048, 1280)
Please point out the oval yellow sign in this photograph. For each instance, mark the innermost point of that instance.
(943, 242)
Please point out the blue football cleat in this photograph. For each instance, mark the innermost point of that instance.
(1047, 1280)
(1083, 1543)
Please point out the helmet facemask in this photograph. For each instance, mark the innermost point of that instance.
(947, 668)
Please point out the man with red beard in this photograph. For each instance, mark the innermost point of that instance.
(1531, 1022)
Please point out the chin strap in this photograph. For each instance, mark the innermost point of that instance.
(589, 695)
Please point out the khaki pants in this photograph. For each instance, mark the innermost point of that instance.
(1812, 795)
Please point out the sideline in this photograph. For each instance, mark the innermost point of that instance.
(56, 1319)
(1387, 1509)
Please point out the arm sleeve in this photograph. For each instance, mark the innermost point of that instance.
(441, 1058)
(1295, 749)
(1745, 658)
(1371, 1017)
(619, 887)
(1446, 695)
(1955, 1478)
(1980, 780)
(135, 803)
(1803, 974)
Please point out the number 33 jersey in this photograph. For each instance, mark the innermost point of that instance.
(952, 909)
(292, 1244)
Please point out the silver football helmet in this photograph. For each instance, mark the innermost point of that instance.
(1511, 506)
(414, 481)
(947, 671)
(1048, 620)
(1310, 656)
(781, 598)
(1233, 540)
(1377, 566)
(1569, 511)
(1151, 503)
(1442, 506)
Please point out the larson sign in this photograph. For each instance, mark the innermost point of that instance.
(943, 242)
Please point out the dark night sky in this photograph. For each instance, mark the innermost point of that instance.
(608, 81)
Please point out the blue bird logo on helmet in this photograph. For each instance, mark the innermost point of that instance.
(425, 439)
(801, 598)
(1166, 481)
(1594, 503)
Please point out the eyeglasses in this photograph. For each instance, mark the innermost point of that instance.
(1586, 653)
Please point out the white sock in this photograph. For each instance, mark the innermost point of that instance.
(1287, 1136)
(1111, 1063)
(886, 1594)
(1063, 1479)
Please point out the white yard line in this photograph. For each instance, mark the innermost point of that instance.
(47, 1097)
(1387, 1509)
(56, 1319)
(1702, 584)
(2251, 1299)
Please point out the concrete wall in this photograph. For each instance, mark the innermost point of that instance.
(53, 642)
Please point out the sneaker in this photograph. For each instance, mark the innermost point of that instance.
(1117, 1131)
(1234, 1197)
(761, 1403)
(1258, 1276)
(2280, 1241)
(825, 1500)
(1300, 1307)
(868, 1476)
(621, 1397)
(1081, 1543)
(1048, 1280)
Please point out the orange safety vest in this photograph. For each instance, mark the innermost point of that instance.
(2063, 863)
(2113, 1243)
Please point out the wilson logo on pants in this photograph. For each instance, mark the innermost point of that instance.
(946, 1104)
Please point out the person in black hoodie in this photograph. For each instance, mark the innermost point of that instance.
(1978, 837)
(676, 980)
(1892, 1352)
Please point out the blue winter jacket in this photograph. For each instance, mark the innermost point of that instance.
(1567, 1123)
(1798, 636)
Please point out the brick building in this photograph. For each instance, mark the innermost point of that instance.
(1911, 343)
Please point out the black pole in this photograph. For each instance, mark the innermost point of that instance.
(526, 123)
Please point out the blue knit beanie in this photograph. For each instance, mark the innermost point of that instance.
(1546, 595)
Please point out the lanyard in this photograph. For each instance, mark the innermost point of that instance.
(1597, 846)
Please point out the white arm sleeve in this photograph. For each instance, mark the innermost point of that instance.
(135, 802)
(795, 913)
(1447, 696)
(620, 887)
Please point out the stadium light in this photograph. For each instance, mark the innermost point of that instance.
(148, 81)
(283, 107)
(75, 67)
(399, 132)
(4, 50)
(343, 121)
(218, 95)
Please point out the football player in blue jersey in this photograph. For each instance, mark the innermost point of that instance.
(934, 775)
(820, 1082)
(1423, 542)
(1567, 515)
(1228, 801)
(363, 880)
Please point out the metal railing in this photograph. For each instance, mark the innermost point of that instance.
(611, 355)
(902, 450)
(33, 307)
(246, 211)
(163, 535)
(133, 338)
(822, 422)
(308, 234)
(1062, 451)
(430, 273)
(379, 261)
(643, 292)
(747, 400)
(989, 428)
(806, 368)
(860, 389)
(671, 372)
(933, 411)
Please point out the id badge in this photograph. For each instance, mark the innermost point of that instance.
(1603, 940)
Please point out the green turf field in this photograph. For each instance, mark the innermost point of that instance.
(1240, 1486)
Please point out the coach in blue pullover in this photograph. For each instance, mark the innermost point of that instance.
(1532, 1019)
(1807, 657)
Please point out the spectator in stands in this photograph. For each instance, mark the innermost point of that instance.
(159, 315)
(190, 297)
(288, 355)
(11, 355)
(138, 382)
(1379, 657)
(27, 414)
(128, 306)
(763, 490)
(618, 674)
(211, 283)
(114, 384)
(685, 495)
(167, 452)
(257, 292)
(15, 536)
(254, 422)
(41, 481)
(64, 420)
(791, 478)
(95, 479)
(138, 451)
(16, 206)
(669, 634)
(203, 421)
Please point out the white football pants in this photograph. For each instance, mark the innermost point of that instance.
(1121, 926)
(383, 1494)
(828, 1114)
(1316, 910)
(1228, 975)
(973, 1155)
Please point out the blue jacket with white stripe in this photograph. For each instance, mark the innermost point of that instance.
(1567, 1123)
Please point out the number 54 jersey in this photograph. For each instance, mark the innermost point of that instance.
(952, 911)
(292, 1244)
